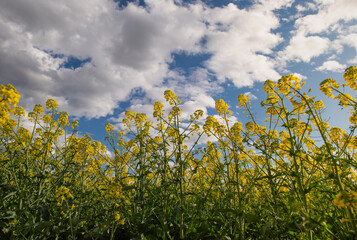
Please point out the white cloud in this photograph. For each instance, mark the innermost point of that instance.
(240, 40)
(351, 41)
(303, 48)
(328, 17)
(269, 5)
(128, 48)
(307, 6)
(332, 66)
(300, 76)
(131, 48)
(195, 91)
(251, 96)
(315, 34)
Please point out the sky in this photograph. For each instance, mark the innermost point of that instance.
(98, 58)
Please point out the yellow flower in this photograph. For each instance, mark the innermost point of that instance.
(171, 97)
(346, 199)
(51, 104)
(19, 111)
(158, 106)
(318, 105)
(9, 94)
(38, 109)
(63, 119)
(350, 77)
(221, 107)
(158, 139)
(74, 124)
(287, 82)
(345, 99)
(129, 115)
(140, 119)
(117, 216)
(353, 118)
(109, 128)
(46, 119)
(327, 85)
(62, 192)
(242, 100)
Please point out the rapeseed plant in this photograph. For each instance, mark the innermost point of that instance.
(265, 179)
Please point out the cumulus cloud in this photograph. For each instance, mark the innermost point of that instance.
(303, 48)
(350, 40)
(128, 48)
(131, 48)
(329, 15)
(300, 76)
(332, 66)
(251, 96)
(319, 32)
(241, 41)
(306, 6)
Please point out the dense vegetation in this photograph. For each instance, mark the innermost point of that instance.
(292, 176)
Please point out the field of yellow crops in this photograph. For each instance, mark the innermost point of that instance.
(290, 176)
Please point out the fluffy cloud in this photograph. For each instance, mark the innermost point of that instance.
(319, 33)
(303, 48)
(300, 76)
(251, 96)
(350, 40)
(333, 66)
(328, 16)
(307, 6)
(240, 41)
(129, 48)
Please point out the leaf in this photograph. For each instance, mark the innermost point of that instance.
(9, 195)
(11, 215)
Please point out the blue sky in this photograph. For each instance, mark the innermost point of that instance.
(98, 58)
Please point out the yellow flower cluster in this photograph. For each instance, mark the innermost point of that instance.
(350, 77)
(212, 151)
(222, 108)
(336, 134)
(140, 119)
(353, 118)
(171, 97)
(235, 133)
(288, 82)
(242, 100)
(327, 86)
(174, 113)
(212, 126)
(109, 128)
(9, 98)
(63, 192)
(118, 219)
(158, 106)
(63, 119)
(346, 200)
(51, 104)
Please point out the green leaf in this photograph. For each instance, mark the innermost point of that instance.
(10, 215)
